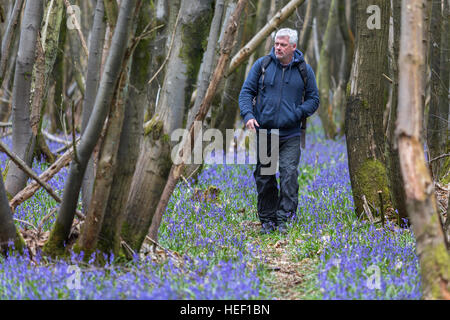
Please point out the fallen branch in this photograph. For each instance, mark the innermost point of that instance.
(439, 157)
(31, 189)
(25, 168)
(53, 138)
(25, 222)
(367, 210)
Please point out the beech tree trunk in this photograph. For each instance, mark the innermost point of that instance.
(324, 75)
(437, 120)
(8, 231)
(130, 139)
(176, 170)
(340, 97)
(22, 137)
(107, 87)
(97, 40)
(419, 189)
(392, 158)
(8, 38)
(154, 161)
(365, 106)
(305, 34)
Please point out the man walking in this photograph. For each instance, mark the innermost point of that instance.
(279, 92)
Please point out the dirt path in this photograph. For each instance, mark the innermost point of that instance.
(288, 279)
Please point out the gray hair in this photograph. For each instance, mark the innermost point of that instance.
(287, 32)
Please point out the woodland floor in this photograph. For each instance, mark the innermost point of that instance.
(210, 247)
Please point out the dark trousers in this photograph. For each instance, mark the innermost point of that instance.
(276, 206)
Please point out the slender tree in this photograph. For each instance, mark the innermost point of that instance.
(130, 137)
(437, 124)
(8, 38)
(107, 87)
(92, 80)
(392, 158)
(8, 231)
(420, 197)
(176, 170)
(153, 165)
(324, 75)
(340, 97)
(365, 106)
(23, 140)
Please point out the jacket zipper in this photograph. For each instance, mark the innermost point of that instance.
(279, 99)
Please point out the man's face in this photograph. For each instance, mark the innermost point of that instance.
(283, 49)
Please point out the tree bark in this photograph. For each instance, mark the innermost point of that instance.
(437, 124)
(392, 158)
(154, 162)
(92, 80)
(340, 97)
(63, 223)
(22, 137)
(165, 14)
(176, 170)
(324, 76)
(8, 38)
(8, 231)
(305, 34)
(130, 139)
(365, 107)
(419, 189)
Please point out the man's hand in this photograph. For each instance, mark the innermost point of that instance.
(251, 124)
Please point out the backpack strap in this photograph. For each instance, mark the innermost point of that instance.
(265, 62)
(264, 65)
(303, 72)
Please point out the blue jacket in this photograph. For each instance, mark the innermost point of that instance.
(279, 105)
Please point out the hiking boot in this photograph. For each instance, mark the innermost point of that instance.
(282, 228)
(267, 228)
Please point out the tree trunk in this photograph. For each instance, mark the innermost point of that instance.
(8, 231)
(262, 11)
(305, 34)
(22, 137)
(419, 189)
(8, 38)
(205, 72)
(437, 124)
(392, 158)
(154, 162)
(130, 139)
(106, 166)
(365, 107)
(176, 170)
(225, 112)
(340, 97)
(107, 87)
(165, 15)
(324, 75)
(43, 68)
(92, 80)
(58, 108)
(444, 106)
